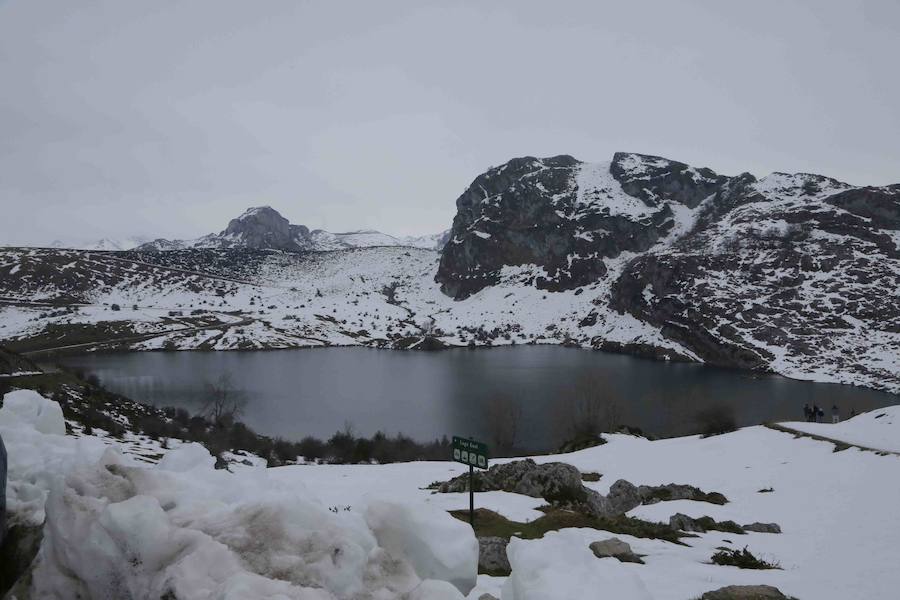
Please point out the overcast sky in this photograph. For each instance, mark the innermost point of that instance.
(167, 118)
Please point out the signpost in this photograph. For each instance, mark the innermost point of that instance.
(474, 454)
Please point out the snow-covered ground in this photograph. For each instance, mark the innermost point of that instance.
(119, 526)
(876, 429)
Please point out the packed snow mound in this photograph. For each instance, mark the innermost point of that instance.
(437, 545)
(878, 429)
(27, 407)
(33, 461)
(117, 528)
(186, 458)
(560, 567)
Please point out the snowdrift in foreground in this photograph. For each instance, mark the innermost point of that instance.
(562, 569)
(30, 409)
(115, 528)
(435, 544)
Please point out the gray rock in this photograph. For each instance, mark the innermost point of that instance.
(763, 527)
(558, 483)
(682, 522)
(492, 557)
(555, 482)
(745, 592)
(487, 597)
(615, 548)
(623, 496)
(651, 494)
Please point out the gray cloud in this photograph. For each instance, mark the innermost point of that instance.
(168, 118)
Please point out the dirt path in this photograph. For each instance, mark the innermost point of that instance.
(838, 444)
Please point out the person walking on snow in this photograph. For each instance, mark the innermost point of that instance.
(807, 412)
(835, 414)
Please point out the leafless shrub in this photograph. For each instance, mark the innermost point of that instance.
(224, 403)
(503, 416)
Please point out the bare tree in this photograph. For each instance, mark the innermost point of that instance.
(503, 416)
(587, 409)
(224, 403)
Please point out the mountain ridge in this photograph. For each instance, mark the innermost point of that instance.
(790, 273)
(263, 227)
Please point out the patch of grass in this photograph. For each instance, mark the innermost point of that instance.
(591, 476)
(489, 523)
(741, 559)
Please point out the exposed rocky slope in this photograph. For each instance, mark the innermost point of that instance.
(565, 217)
(797, 274)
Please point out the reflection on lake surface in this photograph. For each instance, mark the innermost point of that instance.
(294, 393)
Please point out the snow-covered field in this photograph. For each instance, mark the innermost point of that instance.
(120, 527)
(874, 429)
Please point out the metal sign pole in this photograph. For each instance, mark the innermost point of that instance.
(471, 497)
(474, 455)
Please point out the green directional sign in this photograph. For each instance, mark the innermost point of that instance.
(470, 452)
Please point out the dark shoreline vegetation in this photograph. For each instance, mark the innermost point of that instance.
(85, 402)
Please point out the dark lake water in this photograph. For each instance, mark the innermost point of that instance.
(294, 393)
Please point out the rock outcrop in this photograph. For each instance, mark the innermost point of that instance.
(492, 558)
(763, 527)
(560, 484)
(554, 482)
(615, 548)
(745, 592)
(734, 271)
(561, 218)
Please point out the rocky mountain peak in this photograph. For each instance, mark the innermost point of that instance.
(264, 227)
(561, 217)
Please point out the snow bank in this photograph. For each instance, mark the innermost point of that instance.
(558, 566)
(27, 407)
(117, 528)
(437, 545)
(35, 458)
(878, 429)
(186, 458)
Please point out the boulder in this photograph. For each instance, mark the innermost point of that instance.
(615, 548)
(763, 527)
(745, 592)
(651, 494)
(623, 496)
(555, 482)
(682, 522)
(492, 557)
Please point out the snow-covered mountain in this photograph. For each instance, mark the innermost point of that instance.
(796, 274)
(106, 244)
(263, 228)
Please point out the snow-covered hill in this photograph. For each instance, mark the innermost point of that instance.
(109, 244)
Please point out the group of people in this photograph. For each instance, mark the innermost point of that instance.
(815, 414)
